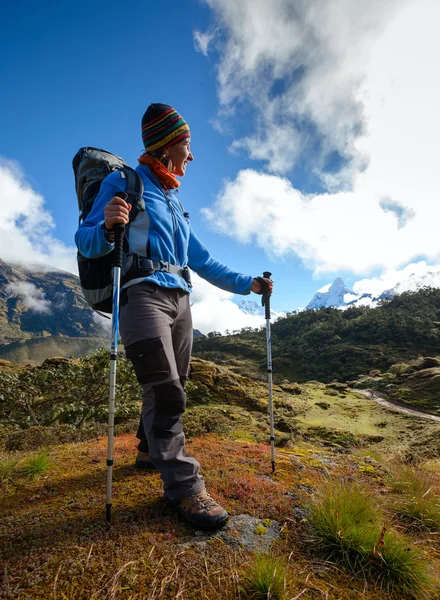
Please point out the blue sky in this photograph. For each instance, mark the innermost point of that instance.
(292, 134)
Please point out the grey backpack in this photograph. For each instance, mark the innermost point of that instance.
(91, 166)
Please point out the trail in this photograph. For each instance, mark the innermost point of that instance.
(387, 404)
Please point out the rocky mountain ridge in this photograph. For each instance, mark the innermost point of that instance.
(42, 303)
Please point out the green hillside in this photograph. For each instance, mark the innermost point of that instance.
(329, 344)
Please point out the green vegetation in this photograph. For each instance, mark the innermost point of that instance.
(415, 384)
(265, 578)
(338, 539)
(12, 469)
(7, 467)
(417, 502)
(34, 466)
(329, 344)
(350, 532)
(66, 392)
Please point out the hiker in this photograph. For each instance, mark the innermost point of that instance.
(155, 319)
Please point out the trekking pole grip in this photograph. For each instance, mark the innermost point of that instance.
(119, 229)
(266, 295)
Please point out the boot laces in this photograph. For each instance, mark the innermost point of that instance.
(204, 500)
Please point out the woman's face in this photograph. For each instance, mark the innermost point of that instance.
(180, 155)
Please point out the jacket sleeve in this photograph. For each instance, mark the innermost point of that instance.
(90, 238)
(200, 261)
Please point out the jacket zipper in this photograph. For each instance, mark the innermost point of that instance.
(173, 215)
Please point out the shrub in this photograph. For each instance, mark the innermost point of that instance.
(67, 393)
(399, 368)
(404, 394)
(202, 420)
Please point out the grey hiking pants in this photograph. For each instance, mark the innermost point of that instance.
(156, 330)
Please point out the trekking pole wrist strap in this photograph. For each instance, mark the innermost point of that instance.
(109, 234)
(264, 288)
(265, 293)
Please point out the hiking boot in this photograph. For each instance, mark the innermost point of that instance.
(201, 510)
(143, 461)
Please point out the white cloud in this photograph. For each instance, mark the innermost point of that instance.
(202, 41)
(32, 297)
(213, 310)
(25, 225)
(410, 278)
(330, 232)
(367, 89)
(278, 144)
(300, 66)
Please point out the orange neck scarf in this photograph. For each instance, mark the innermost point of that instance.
(166, 178)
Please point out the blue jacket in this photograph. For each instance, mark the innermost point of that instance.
(161, 232)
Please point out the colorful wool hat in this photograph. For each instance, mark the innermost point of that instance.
(162, 126)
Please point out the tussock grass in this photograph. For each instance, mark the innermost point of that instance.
(14, 469)
(348, 530)
(7, 467)
(34, 467)
(417, 504)
(265, 578)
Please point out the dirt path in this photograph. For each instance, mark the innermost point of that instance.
(403, 409)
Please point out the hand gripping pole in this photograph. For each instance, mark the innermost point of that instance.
(119, 230)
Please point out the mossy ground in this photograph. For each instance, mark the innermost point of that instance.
(56, 543)
(349, 421)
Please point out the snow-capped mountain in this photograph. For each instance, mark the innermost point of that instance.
(336, 294)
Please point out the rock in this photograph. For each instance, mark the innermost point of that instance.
(242, 531)
(335, 385)
(373, 439)
(203, 372)
(56, 361)
(292, 388)
(429, 362)
(426, 373)
(375, 373)
(323, 405)
(6, 363)
(284, 425)
(301, 513)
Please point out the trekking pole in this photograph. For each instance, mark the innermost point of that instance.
(119, 230)
(265, 301)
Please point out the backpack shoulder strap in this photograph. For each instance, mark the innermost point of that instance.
(135, 191)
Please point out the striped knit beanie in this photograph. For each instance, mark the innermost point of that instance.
(162, 126)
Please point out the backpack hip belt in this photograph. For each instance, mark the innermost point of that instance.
(142, 266)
